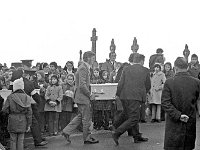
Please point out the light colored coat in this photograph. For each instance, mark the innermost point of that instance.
(53, 93)
(157, 83)
(82, 85)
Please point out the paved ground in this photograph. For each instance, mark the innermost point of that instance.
(155, 133)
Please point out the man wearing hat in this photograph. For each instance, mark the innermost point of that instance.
(30, 90)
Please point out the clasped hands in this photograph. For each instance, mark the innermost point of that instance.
(184, 118)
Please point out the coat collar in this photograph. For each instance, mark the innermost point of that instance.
(182, 74)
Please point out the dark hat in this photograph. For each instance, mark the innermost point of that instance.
(27, 62)
(30, 71)
(16, 75)
(16, 64)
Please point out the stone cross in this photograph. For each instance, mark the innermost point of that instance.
(112, 46)
(80, 53)
(135, 46)
(186, 52)
(94, 38)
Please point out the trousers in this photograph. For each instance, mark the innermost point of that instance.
(129, 118)
(84, 116)
(17, 141)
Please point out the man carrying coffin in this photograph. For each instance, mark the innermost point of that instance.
(82, 98)
(132, 88)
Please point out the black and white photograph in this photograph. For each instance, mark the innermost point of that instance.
(99, 75)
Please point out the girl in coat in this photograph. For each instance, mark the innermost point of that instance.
(157, 82)
(96, 79)
(67, 101)
(168, 70)
(18, 106)
(53, 96)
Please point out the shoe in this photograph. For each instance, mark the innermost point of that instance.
(158, 120)
(91, 141)
(66, 137)
(41, 143)
(140, 139)
(153, 120)
(112, 128)
(55, 133)
(115, 138)
(143, 121)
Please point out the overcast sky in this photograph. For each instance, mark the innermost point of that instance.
(46, 30)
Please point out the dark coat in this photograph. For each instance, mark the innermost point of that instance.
(18, 106)
(134, 83)
(43, 86)
(67, 101)
(179, 96)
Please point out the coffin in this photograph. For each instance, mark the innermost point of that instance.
(104, 91)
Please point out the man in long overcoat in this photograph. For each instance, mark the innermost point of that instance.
(179, 99)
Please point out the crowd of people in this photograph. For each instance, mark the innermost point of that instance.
(44, 97)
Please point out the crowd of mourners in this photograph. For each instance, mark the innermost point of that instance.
(55, 85)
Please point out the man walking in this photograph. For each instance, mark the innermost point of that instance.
(179, 99)
(132, 88)
(82, 99)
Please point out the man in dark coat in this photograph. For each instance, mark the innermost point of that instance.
(179, 99)
(132, 88)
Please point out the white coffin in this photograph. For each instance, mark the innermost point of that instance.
(104, 91)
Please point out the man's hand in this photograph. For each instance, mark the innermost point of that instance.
(92, 96)
(184, 118)
(116, 97)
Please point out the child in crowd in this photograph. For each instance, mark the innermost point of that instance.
(2, 83)
(157, 82)
(18, 106)
(113, 74)
(168, 70)
(53, 68)
(8, 77)
(67, 101)
(96, 79)
(63, 75)
(53, 96)
(69, 67)
(97, 105)
(43, 86)
(194, 66)
(104, 76)
(169, 73)
(104, 105)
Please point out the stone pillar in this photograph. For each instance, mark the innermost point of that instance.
(135, 46)
(112, 46)
(186, 52)
(94, 38)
